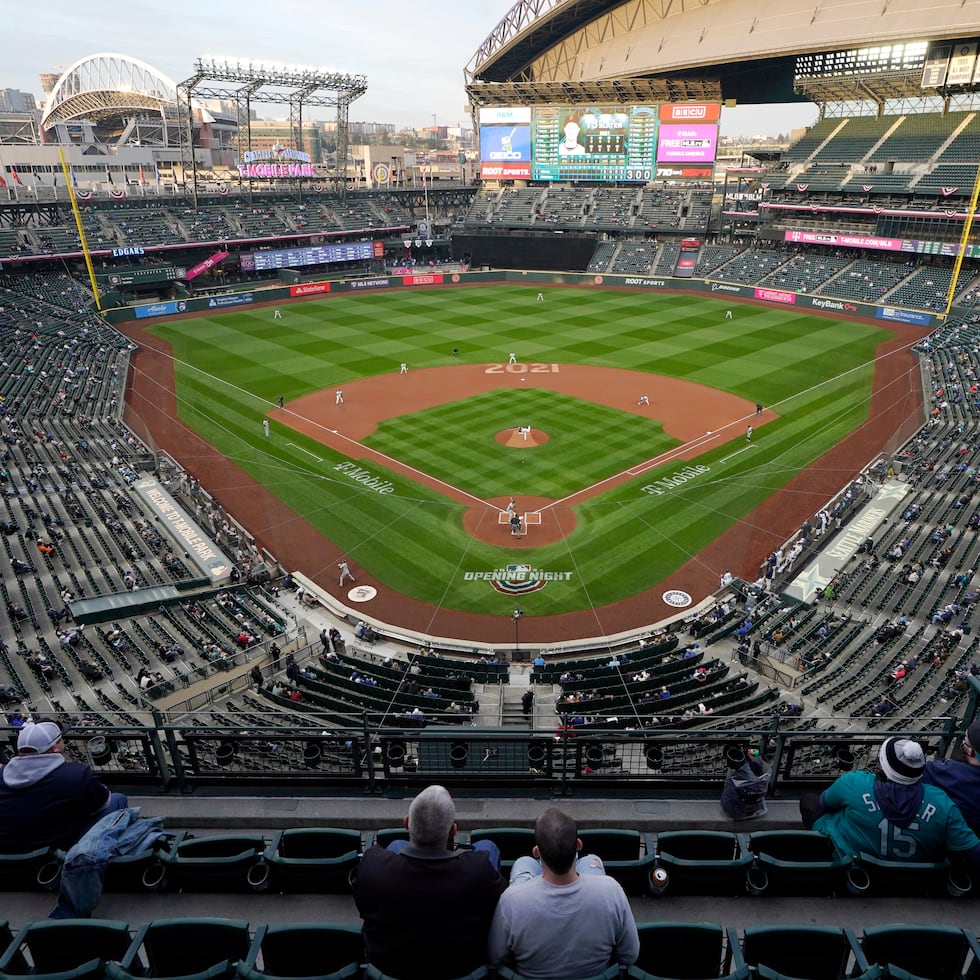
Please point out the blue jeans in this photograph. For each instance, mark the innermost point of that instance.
(525, 868)
(483, 846)
(117, 832)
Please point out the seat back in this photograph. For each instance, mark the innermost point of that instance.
(318, 842)
(305, 949)
(78, 947)
(703, 862)
(937, 952)
(373, 973)
(909, 877)
(795, 862)
(316, 860)
(180, 947)
(612, 845)
(216, 863)
(384, 836)
(513, 842)
(681, 950)
(800, 952)
(29, 870)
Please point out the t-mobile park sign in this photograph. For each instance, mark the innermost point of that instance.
(277, 161)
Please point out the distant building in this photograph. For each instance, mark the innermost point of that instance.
(13, 100)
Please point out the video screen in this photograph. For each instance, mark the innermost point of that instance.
(615, 143)
(687, 144)
(505, 143)
(591, 142)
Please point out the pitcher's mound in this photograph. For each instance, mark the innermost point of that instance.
(515, 439)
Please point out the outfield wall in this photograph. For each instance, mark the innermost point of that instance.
(721, 290)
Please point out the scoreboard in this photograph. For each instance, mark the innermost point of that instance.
(615, 143)
(289, 258)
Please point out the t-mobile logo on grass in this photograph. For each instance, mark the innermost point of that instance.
(678, 479)
(366, 478)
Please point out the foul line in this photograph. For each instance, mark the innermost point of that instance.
(651, 464)
(319, 459)
(738, 452)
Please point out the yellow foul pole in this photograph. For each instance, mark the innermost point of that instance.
(69, 183)
(964, 238)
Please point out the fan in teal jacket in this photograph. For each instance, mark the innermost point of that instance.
(894, 815)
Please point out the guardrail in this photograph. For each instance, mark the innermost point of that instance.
(244, 751)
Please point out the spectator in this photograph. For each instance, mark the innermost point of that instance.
(894, 814)
(960, 780)
(44, 800)
(426, 906)
(561, 917)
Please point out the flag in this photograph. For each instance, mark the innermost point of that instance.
(74, 179)
(158, 174)
(16, 176)
(108, 176)
(3, 183)
(142, 177)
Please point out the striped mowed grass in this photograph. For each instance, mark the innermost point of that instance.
(814, 372)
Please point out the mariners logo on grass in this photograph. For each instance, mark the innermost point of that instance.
(517, 580)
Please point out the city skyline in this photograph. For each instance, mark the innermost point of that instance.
(414, 75)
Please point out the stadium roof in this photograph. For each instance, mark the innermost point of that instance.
(750, 48)
(105, 85)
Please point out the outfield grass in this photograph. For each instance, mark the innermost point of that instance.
(815, 372)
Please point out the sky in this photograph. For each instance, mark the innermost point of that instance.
(413, 54)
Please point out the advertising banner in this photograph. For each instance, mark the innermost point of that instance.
(686, 144)
(309, 289)
(850, 241)
(690, 112)
(208, 263)
(232, 299)
(505, 142)
(429, 279)
(903, 316)
(775, 296)
(161, 309)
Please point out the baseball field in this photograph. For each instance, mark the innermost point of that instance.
(409, 477)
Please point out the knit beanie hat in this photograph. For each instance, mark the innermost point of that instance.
(902, 760)
(973, 735)
(38, 737)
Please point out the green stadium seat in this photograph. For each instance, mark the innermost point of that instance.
(683, 951)
(224, 862)
(65, 949)
(308, 950)
(30, 870)
(795, 862)
(799, 952)
(184, 949)
(703, 862)
(373, 973)
(513, 842)
(912, 951)
(909, 877)
(313, 860)
(627, 855)
(383, 837)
